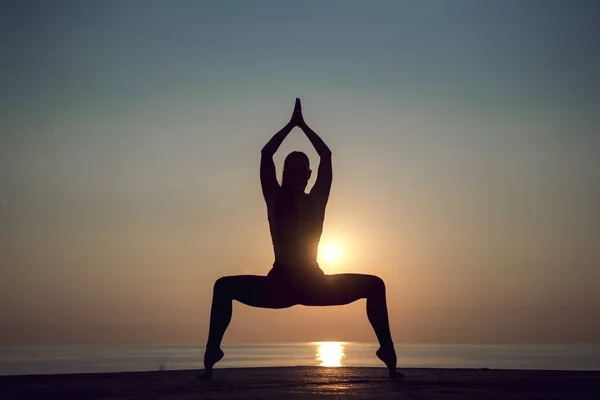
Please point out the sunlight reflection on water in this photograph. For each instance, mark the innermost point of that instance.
(20, 360)
(330, 354)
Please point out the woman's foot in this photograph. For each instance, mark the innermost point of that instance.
(212, 355)
(388, 356)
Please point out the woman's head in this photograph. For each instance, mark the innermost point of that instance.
(296, 171)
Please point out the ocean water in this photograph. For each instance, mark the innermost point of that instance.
(18, 360)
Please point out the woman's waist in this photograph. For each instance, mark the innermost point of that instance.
(296, 253)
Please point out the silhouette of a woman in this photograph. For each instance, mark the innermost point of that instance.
(296, 223)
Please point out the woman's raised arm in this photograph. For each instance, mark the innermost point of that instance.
(268, 176)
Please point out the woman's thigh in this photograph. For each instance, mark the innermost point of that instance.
(340, 289)
(256, 291)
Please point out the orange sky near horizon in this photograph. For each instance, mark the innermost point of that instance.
(464, 144)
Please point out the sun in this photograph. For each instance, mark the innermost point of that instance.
(330, 252)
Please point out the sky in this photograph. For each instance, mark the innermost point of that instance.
(465, 139)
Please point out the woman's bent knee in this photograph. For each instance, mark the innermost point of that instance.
(377, 284)
(221, 284)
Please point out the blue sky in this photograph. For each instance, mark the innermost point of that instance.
(465, 141)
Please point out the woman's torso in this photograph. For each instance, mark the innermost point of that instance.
(296, 224)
